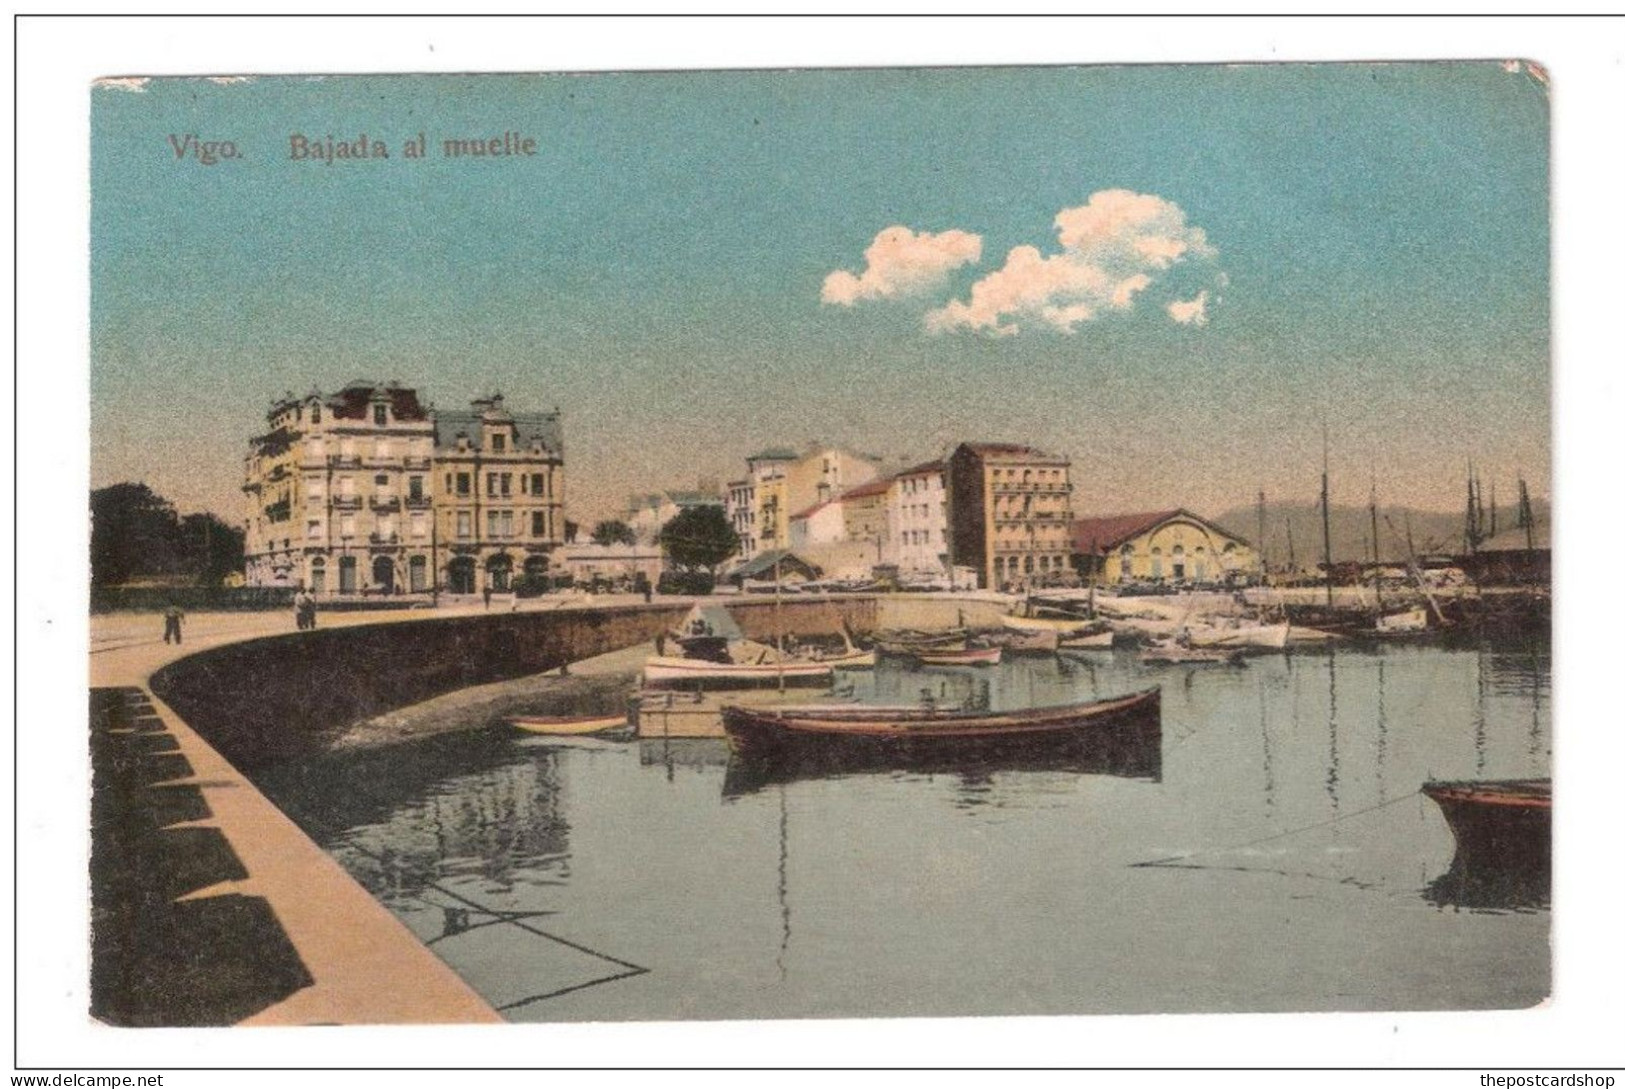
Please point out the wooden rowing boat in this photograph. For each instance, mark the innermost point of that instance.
(661, 672)
(1169, 652)
(970, 656)
(1498, 823)
(1100, 640)
(1045, 623)
(568, 725)
(908, 643)
(1126, 727)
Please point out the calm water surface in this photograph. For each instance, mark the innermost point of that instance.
(1298, 867)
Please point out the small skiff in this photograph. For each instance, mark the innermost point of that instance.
(660, 671)
(971, 656)
(1044, 623)
(568, 725)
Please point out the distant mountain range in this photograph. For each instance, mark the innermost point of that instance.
(1432, 531)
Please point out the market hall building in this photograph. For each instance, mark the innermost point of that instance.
(1170, 546)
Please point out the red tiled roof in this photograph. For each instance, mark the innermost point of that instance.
(874, 487)
(936, 466)
(1104, 534)
(812, 510)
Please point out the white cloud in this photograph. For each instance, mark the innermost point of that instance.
(1112, 248)
(1190, 311)
(900, 262)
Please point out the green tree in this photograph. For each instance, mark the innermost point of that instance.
(210, 548)
(699, 539)
(133, 531)
(613, 532)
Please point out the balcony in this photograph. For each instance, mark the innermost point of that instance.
(345, 461)
(418, 502)
(384, 503)
(384, 538)
(346, 502)
(416, 463)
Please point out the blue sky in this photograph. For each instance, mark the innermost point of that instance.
(1374, 252)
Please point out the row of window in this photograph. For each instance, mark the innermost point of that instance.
(498, 485)
(502, 523)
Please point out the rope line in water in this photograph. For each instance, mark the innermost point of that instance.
(514, 919)
(1276, 835)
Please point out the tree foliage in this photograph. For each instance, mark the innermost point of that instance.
(135, 533)
(699, 538)
(612, 533)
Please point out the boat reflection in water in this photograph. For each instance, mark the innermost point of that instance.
(1121, 736)
(1503, 833)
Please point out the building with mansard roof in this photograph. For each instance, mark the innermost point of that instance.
(368, 492)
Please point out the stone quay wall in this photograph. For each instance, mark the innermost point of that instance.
(271, 699)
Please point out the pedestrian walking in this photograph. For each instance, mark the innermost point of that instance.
(488, 598)
(172, 624)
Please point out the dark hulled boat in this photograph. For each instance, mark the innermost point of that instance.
(1504, 824)
(1121, 736)
(921, 731)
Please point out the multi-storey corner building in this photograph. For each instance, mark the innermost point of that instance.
(358, 493)
(500, 505)
(1009, 513)
(917, 520)
(338, 492)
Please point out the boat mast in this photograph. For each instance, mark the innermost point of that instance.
(1376, 549)
(1263, 562)
(778, 625)
(1326, 510)
(1526, 514)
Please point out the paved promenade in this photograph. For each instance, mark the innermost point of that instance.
(365, 966)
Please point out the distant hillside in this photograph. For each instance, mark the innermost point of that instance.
(1433, 531)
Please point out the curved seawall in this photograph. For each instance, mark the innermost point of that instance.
(270, 699)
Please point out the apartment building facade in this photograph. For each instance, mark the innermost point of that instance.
(1009, 514)
(368, 491)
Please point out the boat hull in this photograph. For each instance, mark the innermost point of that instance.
(568, 726)
(974, 656)
(686, 672)
(1042, 623)
(864, 735)
(1498, 825)
(1098, 641)
(1252, 637)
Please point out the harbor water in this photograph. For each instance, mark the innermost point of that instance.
(1280, 859)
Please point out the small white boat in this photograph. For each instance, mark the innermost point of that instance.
(1045, 623)
(1100, 640)
(1173, 653)
(660, 671)
(1258, 636)
(849, 659)
(1408, 622)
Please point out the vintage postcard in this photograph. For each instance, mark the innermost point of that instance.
(708, 545)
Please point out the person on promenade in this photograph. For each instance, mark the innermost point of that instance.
(172, 623)
(488, 597)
